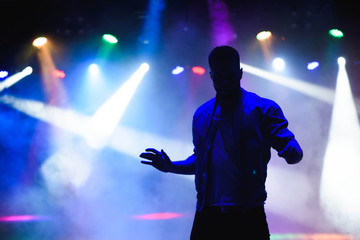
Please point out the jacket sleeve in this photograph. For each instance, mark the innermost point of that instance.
(277, 127)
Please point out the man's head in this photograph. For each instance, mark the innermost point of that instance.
(225, 71)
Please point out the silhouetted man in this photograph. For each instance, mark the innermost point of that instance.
(232, 135)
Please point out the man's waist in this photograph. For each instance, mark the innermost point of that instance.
(232, 208)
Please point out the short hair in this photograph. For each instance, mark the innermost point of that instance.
(223, 55)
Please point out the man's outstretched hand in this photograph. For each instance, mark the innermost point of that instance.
(159, 160)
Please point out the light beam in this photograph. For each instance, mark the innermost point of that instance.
(8, 82)
(318, 92)
(105, 119)
(340, 191)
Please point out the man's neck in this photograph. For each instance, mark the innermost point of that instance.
(228, 102)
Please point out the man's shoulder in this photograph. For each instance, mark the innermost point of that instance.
(258, 101)
(204, 107)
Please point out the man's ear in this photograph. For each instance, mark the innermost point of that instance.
(241, 73)
(211, 75)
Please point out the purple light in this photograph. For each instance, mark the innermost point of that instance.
(158, 216)
(22, 218)
(222, 30)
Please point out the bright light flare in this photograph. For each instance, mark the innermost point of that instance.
(198, 70)
(8, 82)
(261, 36)
(106, 118)
(109, 38)
(341, 61)
(313, 65)
(4, 74)
(39, 42)
(94, 69)
(158, 216)
(177, 70)
(22, 218)
(59, 73)
(278, 64)
(336, 33)
(340, 192)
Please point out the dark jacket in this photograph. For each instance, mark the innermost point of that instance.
(259, 124)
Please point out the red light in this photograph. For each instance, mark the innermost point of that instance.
(198, 70)
(158, 216)
(58, 73)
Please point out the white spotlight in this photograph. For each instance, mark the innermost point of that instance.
(278, 64)
(313, 65)
(340, 192)
(106, 118)
(94, 69)
(341, 61)
(8, 82)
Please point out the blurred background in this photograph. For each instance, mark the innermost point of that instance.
(86, 86)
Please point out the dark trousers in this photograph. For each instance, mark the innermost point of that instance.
(230, 222)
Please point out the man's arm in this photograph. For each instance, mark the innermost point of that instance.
(282, 139)
(161, 161)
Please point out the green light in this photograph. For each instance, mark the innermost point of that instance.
(336, 33)
(110, 38)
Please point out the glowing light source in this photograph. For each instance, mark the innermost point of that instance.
(314, 236)
(313, 65)
(177, 70)
(8, 82)
(339, 191)
(278, 64)
(263, 35)
(4, 74)
(39, 42)
(198, 70)
(336, 33)
(158, 216)
(58, 73)
(94, 69)
(109, 38)
(341, 61)
(22, 218)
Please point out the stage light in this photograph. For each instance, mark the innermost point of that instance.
(22, 218)
(341, 61)
(39, 42)
(58, 73)
(109, 38)
(339, 191)
(8, 82)
(313, 65)
(158, 216)
(4, 74)
(278, 64)
(336, 33)
(198, 70)
(263, 35)
(94, 69)
(106, 118)
(177, 70)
